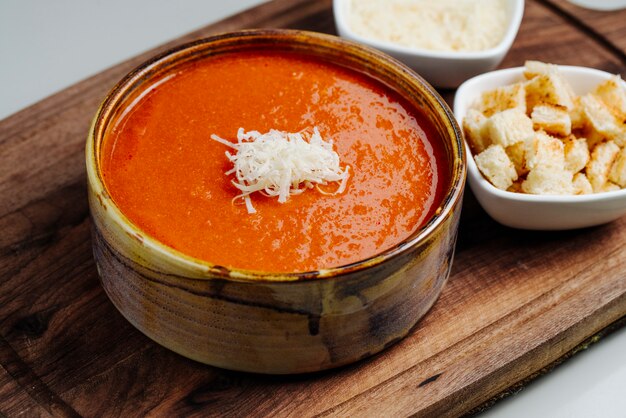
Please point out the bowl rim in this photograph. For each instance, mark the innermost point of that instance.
(207, 270)
(504, 45)
(478, 180)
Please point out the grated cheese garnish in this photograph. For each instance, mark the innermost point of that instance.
(282, 164)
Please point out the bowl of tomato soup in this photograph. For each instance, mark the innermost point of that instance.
(274, 201)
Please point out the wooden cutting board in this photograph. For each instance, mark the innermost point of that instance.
(516, 300)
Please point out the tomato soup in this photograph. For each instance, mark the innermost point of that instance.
(167, 175)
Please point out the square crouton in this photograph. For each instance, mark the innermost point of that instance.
(502, 98)
(577, 115)
(576, 153)
(534, 68)
(474, 128)
(496, 167)
(600, 163)
(618, 170)
(548, 180)
(543, 150)
(549, 88)
(553, 119)
(517, 155)
(613, 94)
(610, 187)
(516, 187)
(581, 184)
(600, 123)
(509, 127)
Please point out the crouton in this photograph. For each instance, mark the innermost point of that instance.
(610, 187)
(577, 115)
(543, 150)
(474, 125)
(613, 93)
(517, 155)
(509, 127)
(496, 167)
(552, 118)
(502, 98)
(548, 88)
(581, 184)
(534, 68)
(548, 180)
(618, 169)
(576, 153)
(516, 187)
(600, 163)
(600, 124)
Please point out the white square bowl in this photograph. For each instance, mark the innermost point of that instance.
(538, 212)
(440, 68)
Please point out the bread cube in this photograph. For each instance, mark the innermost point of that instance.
(543, 150)
(509, 127)
(496, 167)
(600, 163)
(502, 98)
(610, 187)
(550, 89)
(548, 180)
(581, 184)
(551, 118)
(600, 124)
(618, 169)
(516, 187)
(576, 153)
(533, 69)
(613, 94)
(517, 155)
(577, 115)
(474, 128)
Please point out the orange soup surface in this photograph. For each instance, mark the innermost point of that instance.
(166, 174)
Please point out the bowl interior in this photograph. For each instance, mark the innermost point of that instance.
(329, 48)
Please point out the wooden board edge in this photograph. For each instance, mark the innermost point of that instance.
(530, 366)
(522, 384)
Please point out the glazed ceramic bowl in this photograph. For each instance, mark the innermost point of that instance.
(440, 68)
(537, 212)
(259, 321)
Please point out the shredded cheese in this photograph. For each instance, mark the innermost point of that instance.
(442, 25)
(282, 164)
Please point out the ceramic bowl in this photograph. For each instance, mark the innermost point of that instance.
(259, 321)
(602, 5)
(440, 68)
(538, 212)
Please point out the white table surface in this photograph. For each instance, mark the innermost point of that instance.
(46, 46)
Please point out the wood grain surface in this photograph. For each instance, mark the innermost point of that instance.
(516, 300)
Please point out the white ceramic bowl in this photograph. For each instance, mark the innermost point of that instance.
(602, 5)
(439, 68)
(537, 212)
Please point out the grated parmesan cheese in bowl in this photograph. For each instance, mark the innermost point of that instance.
(444, 41)
(282, 164)
(442, 25)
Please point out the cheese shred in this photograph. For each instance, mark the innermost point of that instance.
(281, 164)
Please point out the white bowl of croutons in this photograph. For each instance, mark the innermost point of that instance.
(548, 145)
(445, 41)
